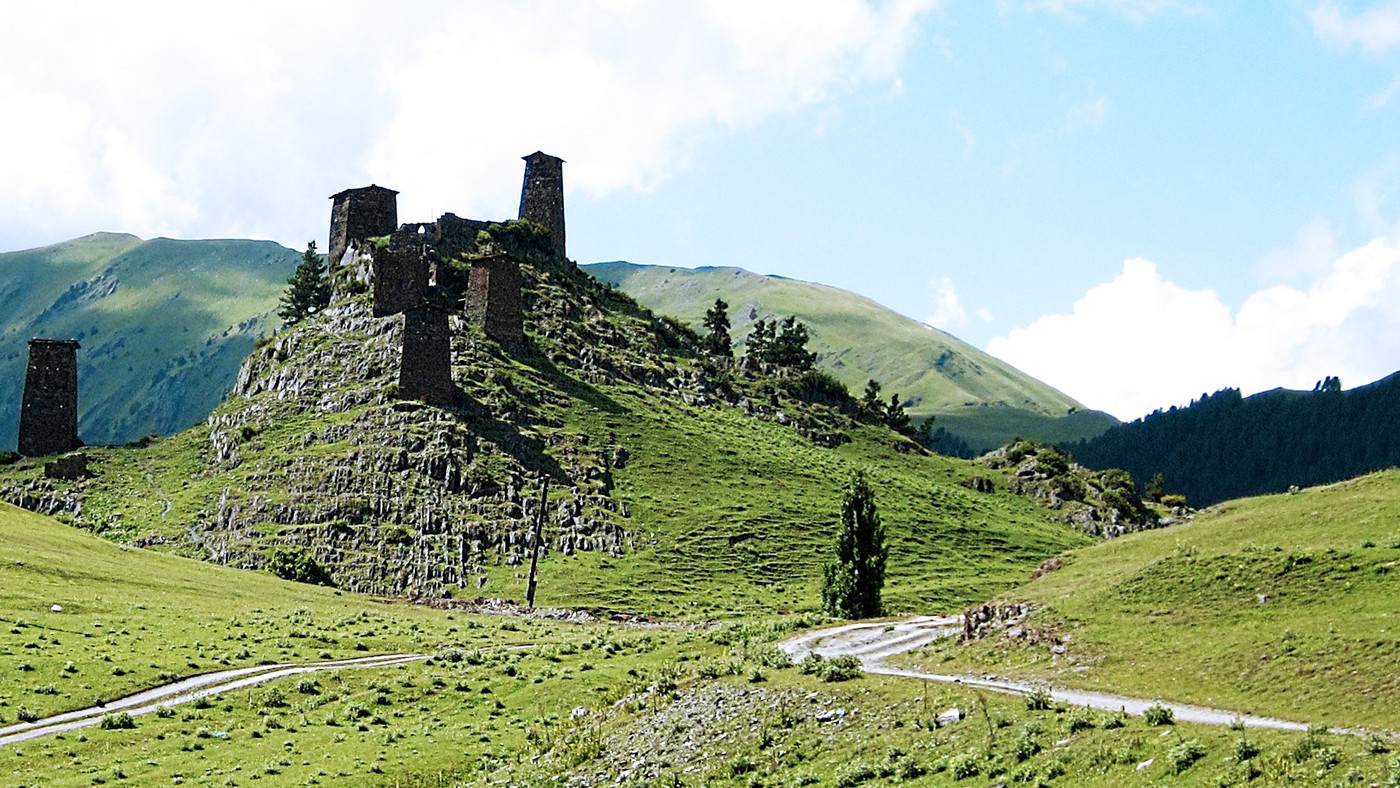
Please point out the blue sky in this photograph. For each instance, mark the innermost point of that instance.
(1134, 200)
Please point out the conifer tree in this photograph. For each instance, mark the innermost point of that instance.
(895, 415)
(309, 289)
(853, 581)
(760, 342)
(870, 400)
(718, 342)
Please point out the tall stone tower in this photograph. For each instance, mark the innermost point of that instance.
(48, 416)
(542, 196)
(425, 368)
(357, 214)
(493, 301)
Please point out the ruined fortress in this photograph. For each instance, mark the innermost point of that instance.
(406, 277)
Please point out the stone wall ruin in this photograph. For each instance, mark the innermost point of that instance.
(359, 214)
(542, 196)
(48, 417)
(425, 366)
(494, 303)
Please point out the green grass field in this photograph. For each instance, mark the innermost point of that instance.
(662, 706)
(1282, 605)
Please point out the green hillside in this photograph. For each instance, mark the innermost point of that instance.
(164, 325)
(1284, 605)
(973, 395)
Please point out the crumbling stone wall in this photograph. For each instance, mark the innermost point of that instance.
(401, 272)
(357, 214)
(48, 417)
(425, 368)
(542, 196)
(494, 303)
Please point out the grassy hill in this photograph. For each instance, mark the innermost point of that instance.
(164, 325)
(973, 395)
(724, 502)
(1284, 605)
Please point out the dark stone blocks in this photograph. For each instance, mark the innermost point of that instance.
(357, 214)
(48, 416)
(542, 196)
(425, 368)
(493, 301)
(400, 278)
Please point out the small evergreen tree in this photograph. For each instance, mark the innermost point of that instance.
(895, 415)
(870, 400)
(718, 342)
(1156, 487)
(760, 342)
(853, 581)
(789, 347)
(309, 289)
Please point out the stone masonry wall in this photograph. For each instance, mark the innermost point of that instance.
(425, 368)
(48, 417)
(542, 196)
(357, 214)
(400, 274)
(494, 303)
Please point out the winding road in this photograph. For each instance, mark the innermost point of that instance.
(184, 691)
(874, 643)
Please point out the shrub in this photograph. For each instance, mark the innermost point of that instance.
(1245, 749)
(842, 668)
(812, 663)
(25, 715)
(1181, 756)
(1157, 714)
(309, 686)
(298, 566)
(1079, 719)
(853, 774)
(964, 765)
(1038, 699)
(119, 721)
(1025, 746)
(1174, 501)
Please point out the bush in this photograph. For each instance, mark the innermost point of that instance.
(1038, 699)
(964, 765)
(1174, 501)
(298, 566)
(1079, 719)
(842, 668)
(119, 721)
(1245, 750)
(853, 774)
(1025, 746)
(1157, 714)
(812, 663)
(1184, 754)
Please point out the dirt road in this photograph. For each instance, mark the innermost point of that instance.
(874, 643)
(184, 691)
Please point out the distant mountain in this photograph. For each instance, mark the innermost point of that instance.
(1226, 446)
(981, 399)
(164, 325)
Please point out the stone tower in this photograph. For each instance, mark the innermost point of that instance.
(542, 196)
(48, 416)
(357, 214)
(425, 368)
(493, 301)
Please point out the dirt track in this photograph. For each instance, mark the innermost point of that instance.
(873, 643)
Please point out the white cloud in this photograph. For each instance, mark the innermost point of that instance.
(1375, 30)
(1381, 98)
(1135, 9)
(947, 309)
(1140, 342)
(241, 119)
(1087, 115)
(985, 315)
(1312, 254)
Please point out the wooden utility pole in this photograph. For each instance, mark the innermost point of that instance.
(535, 548)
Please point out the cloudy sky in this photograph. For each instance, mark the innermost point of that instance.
(1137, 201)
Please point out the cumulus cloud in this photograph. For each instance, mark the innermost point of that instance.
(1140, 342)
(947, 308)
(1313, 252)
(1375, 30)
(202, 119)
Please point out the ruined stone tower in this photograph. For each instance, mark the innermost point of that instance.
(425, 368)
(493, 301)
(401, 273)
(542, 196)
(357, 214)
(48, 416)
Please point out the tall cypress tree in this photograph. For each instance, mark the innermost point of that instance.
(854, 579)
(309, 289)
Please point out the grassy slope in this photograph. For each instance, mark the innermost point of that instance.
(980, 398)
(164, 324)
(1176, 613)
(501, 716)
